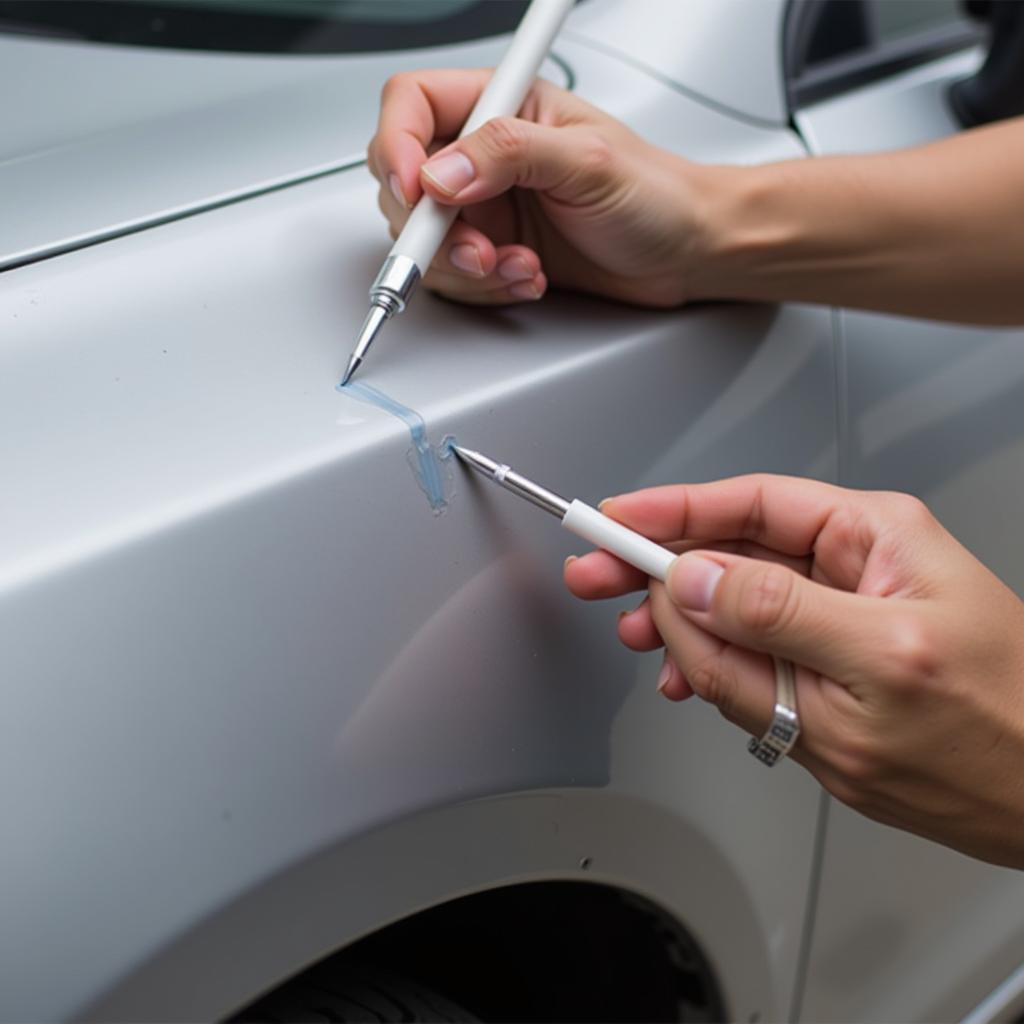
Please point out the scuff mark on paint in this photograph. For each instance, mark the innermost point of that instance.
(431, 464)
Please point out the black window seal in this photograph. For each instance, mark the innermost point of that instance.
(841, 74)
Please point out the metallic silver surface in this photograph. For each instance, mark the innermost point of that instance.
(84, 157)
(784, 729)
(247, 721)
(514, 482)
(395, 282)
(726, 52)
(240, 635)
(936, 410)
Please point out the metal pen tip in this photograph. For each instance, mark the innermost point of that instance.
(475, 459)
(353, 365)
(371, 325)
(513, 481)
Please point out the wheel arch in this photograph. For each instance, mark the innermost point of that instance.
(362, 885)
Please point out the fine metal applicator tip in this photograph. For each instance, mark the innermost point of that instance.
(371, 325)
(508, 478)
(475, 459)
(353, 365)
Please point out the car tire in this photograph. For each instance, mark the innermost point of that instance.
(352, 994)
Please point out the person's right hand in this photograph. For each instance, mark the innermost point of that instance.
(563, 193)
(909, 652)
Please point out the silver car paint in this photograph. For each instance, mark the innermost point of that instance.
(699, 47)
(146, 135)
(260, 701)
(237, 642)
(907, 930)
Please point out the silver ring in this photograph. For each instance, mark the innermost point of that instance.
(784, 731)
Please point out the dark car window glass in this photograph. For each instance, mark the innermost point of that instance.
(895, 19)
(265, 26)
(834, 45)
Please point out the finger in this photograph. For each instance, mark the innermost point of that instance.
(489, 292)
(502, 266)
(416, 108)
(637, 630)
(767, 607)
(786, 514)
(599, 575)
(671, 682)
(468, 250)
(740, 683)
(572, 163)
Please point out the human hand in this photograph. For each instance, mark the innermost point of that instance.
(563, 193)
(909, 652)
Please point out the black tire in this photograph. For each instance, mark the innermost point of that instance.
(352, 994)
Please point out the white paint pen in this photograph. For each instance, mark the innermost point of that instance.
(429, 222)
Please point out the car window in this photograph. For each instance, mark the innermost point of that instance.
(834, 45)
(264, 26)
(896, 19)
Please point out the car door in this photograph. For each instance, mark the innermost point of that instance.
(905, 929)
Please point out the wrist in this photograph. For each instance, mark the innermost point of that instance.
(745, 233)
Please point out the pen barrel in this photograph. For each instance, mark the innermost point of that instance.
(503, 95)
(631, 547)
(423, 233)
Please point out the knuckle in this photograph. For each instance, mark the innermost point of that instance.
(394, 84)
(858, 760)
(846, 792)
(595, 155)
(860, 770)
(372, 154)
(503, 138)
(913, 652)
(910, 510)
(714, 683)
(766, 603)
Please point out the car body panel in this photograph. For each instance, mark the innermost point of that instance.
(907, 930)
(239, 644)
(147, 135)
(728, 52)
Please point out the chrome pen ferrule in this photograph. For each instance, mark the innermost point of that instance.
(395, 283)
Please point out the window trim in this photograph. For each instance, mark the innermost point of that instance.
(805, 86)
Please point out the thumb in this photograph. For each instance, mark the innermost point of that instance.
(765, 606)
(507, 152)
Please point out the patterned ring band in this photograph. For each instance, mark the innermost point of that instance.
(778, 741)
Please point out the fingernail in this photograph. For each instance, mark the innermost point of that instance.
(603, 505)
(692, 581)
(524, 290)
(569, 561)
(515, 268)
(467, 258)
(396, 189)
(665, 675)
(451, 173)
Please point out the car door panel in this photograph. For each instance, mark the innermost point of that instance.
(906, 930)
